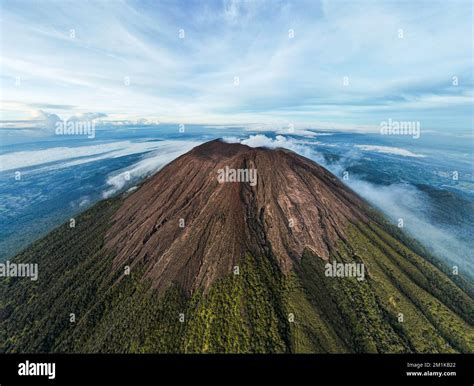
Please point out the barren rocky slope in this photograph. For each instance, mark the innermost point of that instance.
(294, 205)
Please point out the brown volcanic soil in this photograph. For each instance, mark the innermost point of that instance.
(224, 221)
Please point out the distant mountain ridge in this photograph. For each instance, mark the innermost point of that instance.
(189, 263)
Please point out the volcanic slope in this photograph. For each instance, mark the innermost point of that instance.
(189, 263)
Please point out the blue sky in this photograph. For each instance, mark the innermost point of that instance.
(239, 62)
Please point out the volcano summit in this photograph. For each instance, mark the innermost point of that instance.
(190, 262)
(296, 205)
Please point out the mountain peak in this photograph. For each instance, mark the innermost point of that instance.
(195, 220)
(219, 148)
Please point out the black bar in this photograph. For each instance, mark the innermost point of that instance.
(350, 369)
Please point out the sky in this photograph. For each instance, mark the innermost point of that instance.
(328, 64)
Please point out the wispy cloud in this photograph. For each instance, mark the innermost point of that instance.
(243, 61)
(167, 151)
(389, 150)
(69, 156)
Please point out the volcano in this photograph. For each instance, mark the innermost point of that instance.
(235, 249)
(192, 228)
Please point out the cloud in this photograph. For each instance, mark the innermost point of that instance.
(52, 106)
(264, 141)
(261, 140)
(42, 119)
(125, 178)
(289, 129)
(389, 150)
(45, 119)
(404, 201)
(280, 141)
(282, 78)
(87, 116)
(70, 156)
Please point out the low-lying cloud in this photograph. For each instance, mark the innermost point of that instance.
(389, 150)
(82, 154)
(396, 201)
(168, 151)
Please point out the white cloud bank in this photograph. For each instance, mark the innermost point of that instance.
(31, 158)
(148, 166)
(389, 150)
(72, 156)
